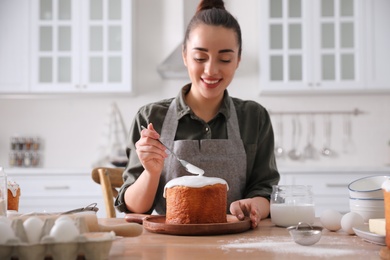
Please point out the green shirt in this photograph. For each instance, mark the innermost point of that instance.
(255, 129)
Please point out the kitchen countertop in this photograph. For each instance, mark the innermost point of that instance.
(265, 242)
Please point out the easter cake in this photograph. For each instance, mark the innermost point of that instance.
(196, 200)
(385, 251)
(386, 196)
(13, 195)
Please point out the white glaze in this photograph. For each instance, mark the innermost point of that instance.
(386, 185)
(194, 182)
(13, 187)
(194, 169)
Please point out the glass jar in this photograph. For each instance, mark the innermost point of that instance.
(36, 144)
(12, 158)
(291, 204)
(35, 159)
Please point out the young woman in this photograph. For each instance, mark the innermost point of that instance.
(227, 137)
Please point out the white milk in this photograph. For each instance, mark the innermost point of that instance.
(290, 215)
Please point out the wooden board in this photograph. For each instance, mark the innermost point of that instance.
(156, 224)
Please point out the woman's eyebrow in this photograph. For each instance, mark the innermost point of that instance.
(225, 50)
(206, 50)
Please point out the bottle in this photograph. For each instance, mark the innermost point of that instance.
(3, 192)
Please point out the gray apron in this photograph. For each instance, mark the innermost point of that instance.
(223, 158)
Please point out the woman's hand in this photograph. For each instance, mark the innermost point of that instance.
(255, 208)
(150, 151)
(139, 197)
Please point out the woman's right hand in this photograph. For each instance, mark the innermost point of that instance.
(150, 151)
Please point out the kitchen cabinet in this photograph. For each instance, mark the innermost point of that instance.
(312, 46)
(54, 190)
(14, 44)
(330, 187)
(81, 46)
(378, 37)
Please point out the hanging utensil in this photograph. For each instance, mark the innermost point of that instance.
(348, 144)
(326, 150)
(310, 152)
(279, 150)
(294, 154)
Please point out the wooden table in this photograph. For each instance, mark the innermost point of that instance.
(265, 242)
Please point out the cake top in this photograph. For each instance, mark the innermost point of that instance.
(197, 181)
(12, 186)
(386, 185)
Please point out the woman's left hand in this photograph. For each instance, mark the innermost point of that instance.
(255, 208)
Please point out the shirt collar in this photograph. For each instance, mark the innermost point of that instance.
(183, 109)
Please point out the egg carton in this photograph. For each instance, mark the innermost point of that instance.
(91, 245)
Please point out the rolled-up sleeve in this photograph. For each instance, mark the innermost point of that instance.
(154, 113)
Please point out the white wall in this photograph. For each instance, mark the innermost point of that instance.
(73, 126)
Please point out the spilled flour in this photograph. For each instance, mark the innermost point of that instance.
(331, 247)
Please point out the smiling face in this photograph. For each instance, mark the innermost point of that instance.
(211, 57)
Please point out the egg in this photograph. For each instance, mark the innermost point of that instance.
(63, 218)
(33, 228)
(6, 233)
(331, 219)
(64, 231)
(350, 220)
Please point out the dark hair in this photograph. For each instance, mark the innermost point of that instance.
(213, 12)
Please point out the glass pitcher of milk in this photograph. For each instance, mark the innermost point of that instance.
(291, 204)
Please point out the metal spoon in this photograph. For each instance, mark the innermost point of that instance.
(348, 144)
(188, 166)
(279, 151)
(310, 152)
(294, 153)
(326, 150)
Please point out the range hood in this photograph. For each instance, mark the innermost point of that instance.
(173, 67)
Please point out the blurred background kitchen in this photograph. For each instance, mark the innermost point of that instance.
(69, 70)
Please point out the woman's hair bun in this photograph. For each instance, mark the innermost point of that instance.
(208, 4)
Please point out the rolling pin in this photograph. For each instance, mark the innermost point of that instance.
(125, 230)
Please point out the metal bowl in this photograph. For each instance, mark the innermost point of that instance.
(305, 234)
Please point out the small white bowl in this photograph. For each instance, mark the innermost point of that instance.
(367, 187)
(368, 208)
(370, 214)
(366, 203)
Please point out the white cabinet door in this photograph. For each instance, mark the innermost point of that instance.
(14, 43)
(54, 46)
(81, 46)
(284, 51)
(378, 37)
(338, 48)
(311, 45)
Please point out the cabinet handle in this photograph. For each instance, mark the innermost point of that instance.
(336, 185)
(57, 187)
